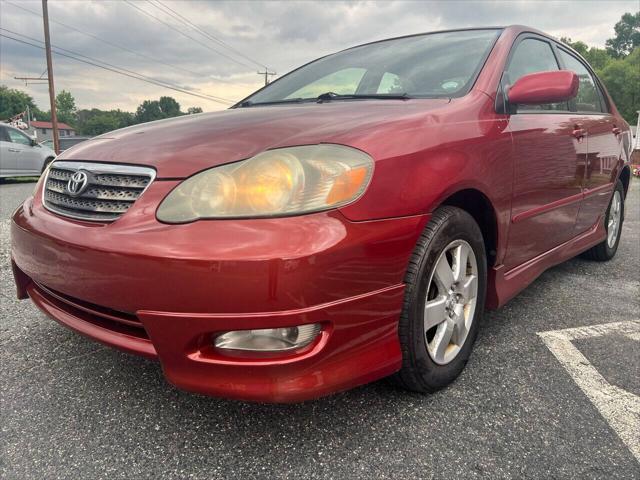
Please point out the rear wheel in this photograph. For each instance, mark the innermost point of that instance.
(444, 301)
(613, 223)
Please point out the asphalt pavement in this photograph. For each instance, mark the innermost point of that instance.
(71, 408)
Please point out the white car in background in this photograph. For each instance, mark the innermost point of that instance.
(20, 155)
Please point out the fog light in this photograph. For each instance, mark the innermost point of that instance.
(268, 339)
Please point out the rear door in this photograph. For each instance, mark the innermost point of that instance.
(603, 145)
(549, 156)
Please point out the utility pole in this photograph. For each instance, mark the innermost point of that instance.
(52, 92)
(266, 74)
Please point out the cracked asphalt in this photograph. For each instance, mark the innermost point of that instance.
(71, 408)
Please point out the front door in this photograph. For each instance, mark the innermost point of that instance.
(549, 155)
(8, 154)
(29, 158)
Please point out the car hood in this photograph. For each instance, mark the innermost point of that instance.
(180, 147)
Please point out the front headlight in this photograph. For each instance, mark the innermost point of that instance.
(286, 181)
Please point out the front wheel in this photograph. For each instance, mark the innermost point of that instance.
(444, 301)
(613, 219)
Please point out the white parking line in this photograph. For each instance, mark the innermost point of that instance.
(619, 407)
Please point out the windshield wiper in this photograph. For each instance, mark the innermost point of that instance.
(249, 103)
(328, 96)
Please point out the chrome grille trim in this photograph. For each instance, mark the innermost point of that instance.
(112, 189)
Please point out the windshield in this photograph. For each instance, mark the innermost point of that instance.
(431, 65)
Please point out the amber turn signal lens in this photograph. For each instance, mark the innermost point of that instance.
(347, 185)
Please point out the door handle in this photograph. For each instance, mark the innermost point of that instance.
(579, 133)
(14, 150)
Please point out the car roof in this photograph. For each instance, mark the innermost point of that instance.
(514, 29)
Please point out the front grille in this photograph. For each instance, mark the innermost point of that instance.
(107, 193)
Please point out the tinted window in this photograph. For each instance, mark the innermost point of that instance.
(433, 65)
(3, 135)
(18, 137)
(532, 56)
(588, 98)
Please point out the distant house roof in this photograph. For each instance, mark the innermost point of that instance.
(48, 125)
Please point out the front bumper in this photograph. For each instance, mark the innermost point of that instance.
(162, 291)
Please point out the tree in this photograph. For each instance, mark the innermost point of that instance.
(192, 110)
(151, 110)
(96, 122)
(66, 107)
(13, 102)
(580, 47)
(597, 57)
(627, 36)
(148, 111)
(169, 107)
(622, 77)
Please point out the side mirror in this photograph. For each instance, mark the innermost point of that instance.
(544, 87)
(34, 141)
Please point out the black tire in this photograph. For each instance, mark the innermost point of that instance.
(46, 164)
(419, 372)
(603, 252)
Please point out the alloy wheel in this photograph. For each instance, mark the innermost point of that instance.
(450, 305)
(613, 225)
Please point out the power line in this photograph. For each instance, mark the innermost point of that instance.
(115, 70)
(212, 97)
(126, 49)
(210, 36)
(209, 47)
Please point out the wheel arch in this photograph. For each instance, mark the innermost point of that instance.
(480, 207)
(46, 162)
(625, 178)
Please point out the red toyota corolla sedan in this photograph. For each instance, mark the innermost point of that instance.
(349, 221)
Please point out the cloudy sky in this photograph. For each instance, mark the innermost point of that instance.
(151, 38)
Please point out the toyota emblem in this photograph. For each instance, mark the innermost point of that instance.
(77, 183)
